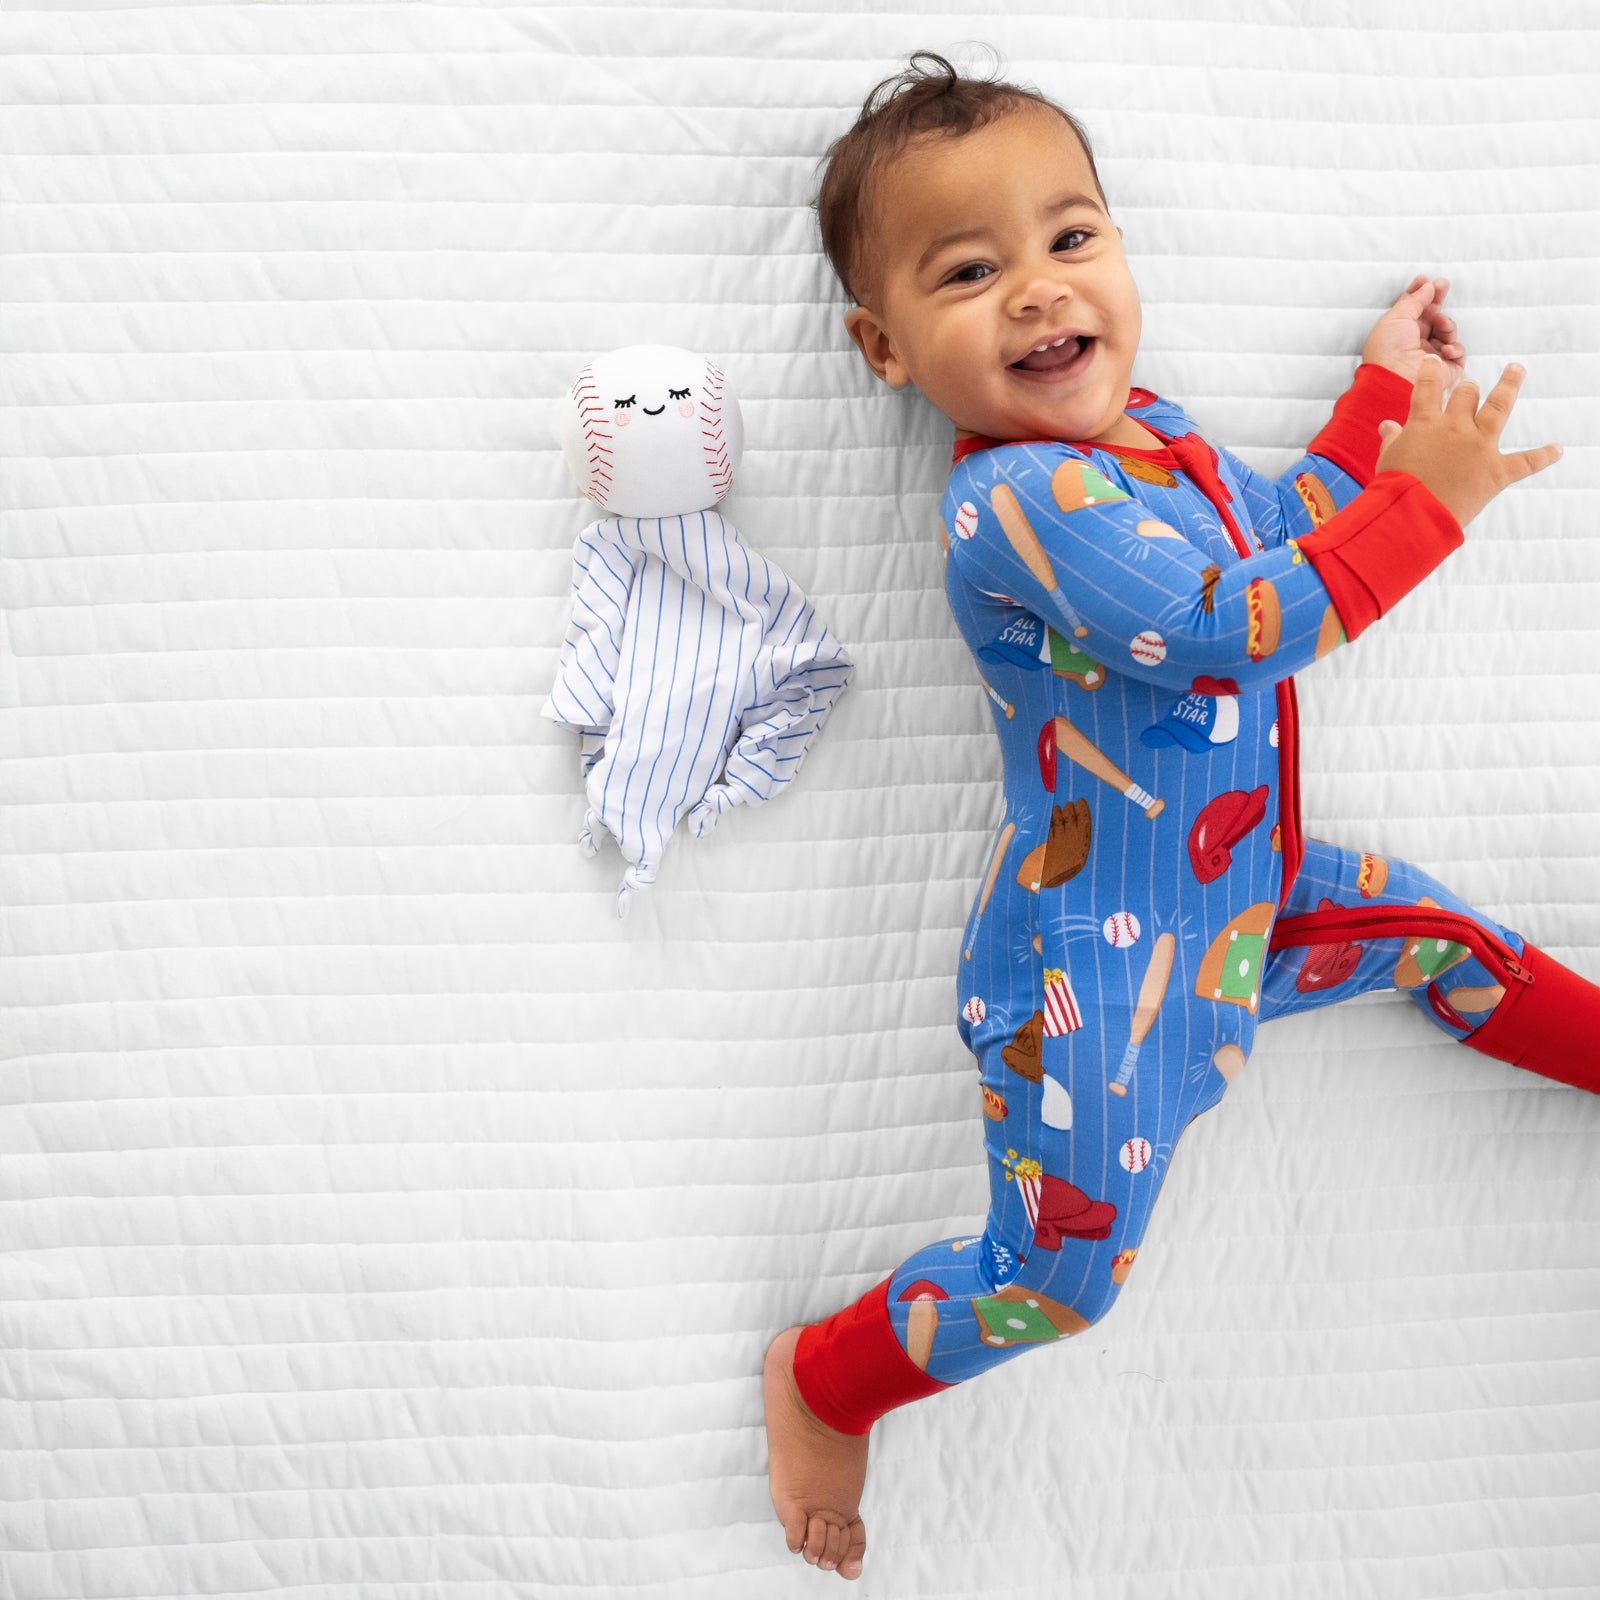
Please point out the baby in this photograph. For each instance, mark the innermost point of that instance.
(1136, 601)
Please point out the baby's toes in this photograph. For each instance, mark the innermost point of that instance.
(818, 1530)
(850, 1566)
(837, 1546)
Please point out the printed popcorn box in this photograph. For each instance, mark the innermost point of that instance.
(1061, 1013)
(1029, 1175)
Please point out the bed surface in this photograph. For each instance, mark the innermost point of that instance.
(379, 1215)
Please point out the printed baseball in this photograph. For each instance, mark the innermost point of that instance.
(1121, 929)
(973, 1011)
(1148, 647)
(1135, 1155)
(966, 520)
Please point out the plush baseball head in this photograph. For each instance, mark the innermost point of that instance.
(651, 431)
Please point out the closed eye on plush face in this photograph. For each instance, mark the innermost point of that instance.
(672, 394)
(628, 402)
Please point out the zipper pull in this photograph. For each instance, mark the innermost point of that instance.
(1517, 970)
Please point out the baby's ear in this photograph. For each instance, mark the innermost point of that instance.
(872, 340)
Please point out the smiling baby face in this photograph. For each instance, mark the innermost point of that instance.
(1004, 295)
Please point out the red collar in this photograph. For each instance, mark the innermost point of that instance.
(1187, 453)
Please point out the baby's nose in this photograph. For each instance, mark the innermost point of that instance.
(1040, 290)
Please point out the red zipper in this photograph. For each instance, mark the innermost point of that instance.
(1195, 458)
(1291, 843)
(1362, 922)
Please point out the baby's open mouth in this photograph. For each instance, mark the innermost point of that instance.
(1056, 356)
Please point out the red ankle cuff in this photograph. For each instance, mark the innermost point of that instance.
(850, 1368)
(1550, 1026)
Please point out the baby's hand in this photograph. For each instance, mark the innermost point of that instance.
(1414, 327)
(1455, 451)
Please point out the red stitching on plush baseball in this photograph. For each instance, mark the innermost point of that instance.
(713, 440)
(713, 444)
(597, 436)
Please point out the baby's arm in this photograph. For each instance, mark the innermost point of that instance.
(1048, 532)
(1338, 464)
(1452, 453)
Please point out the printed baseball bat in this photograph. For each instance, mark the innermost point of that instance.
(999, 699)
(994, 873)
(1019, 532)
(1151, 993)
(1073, 745)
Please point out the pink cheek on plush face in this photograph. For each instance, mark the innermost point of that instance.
(621, 418)
(686, 408)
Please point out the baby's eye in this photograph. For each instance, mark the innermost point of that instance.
(677, 394)
(1085, 233)
(628, 402)
(959, 276)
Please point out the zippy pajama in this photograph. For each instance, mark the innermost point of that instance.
(1147, 899)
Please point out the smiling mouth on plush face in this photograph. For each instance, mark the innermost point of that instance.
(1071, 352)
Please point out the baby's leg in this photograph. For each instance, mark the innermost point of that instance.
(1077, 1152)
(1358, 923)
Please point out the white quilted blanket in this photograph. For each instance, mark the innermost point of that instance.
(379, 1216)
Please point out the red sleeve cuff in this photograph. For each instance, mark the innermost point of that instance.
(1350, 437)
(1380, 547)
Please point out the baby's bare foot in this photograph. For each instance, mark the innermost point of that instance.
(814, 1472)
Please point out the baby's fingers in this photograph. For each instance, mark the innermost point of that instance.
(1493, 412)
(1427, 389)
(1464, 398)
(1524, 463)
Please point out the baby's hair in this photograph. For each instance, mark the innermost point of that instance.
(918, 102)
